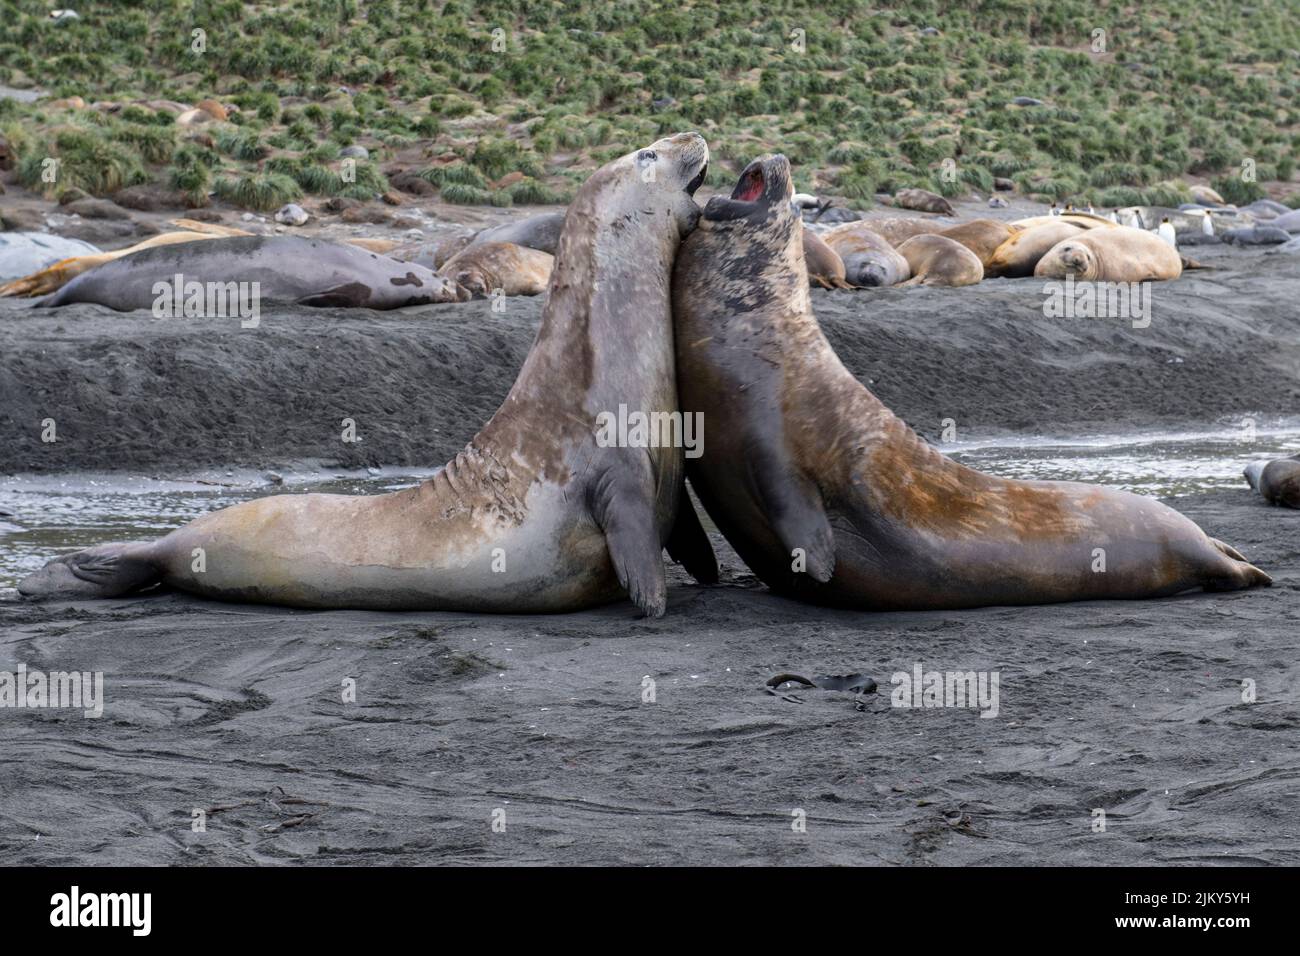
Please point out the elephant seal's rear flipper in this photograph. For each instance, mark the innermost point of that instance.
(688, 544)
(105, 571)
(1237, 573)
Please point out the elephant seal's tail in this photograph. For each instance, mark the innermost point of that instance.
(108, 570)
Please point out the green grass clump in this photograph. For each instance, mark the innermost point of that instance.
(1236, 190)
(454, 174)
(84, 159)
(263, 192)
(241, 144)
(465, 195)
(191, 173)
(529, 192)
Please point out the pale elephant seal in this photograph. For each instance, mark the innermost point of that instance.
(869, 260)
(938, 260)
(287, 269)
(1205, 195)
(828, 496)
(922, 200)
(1278, 481)
(1122, 254)
(980, 236)
(825, 267)
(1085, 220)
(501, 268)
(1017, 257)
(537, 513)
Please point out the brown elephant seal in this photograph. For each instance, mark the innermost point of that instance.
(1278, 481)
(869, 261)
(922, 200)
(980, 236)
(1017, 257)
(1121, 254)
(896, 230)
(536, 514)
(310, 272)
(828, 496)
(482, 270)
(824, 264)
(938, 260)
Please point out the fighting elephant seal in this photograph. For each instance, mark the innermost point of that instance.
(482, 270)
(287, 268)
(536, 514)
(1278, 481)
(828, 496)
(869, 260)
(938, 260)
(1121, 254)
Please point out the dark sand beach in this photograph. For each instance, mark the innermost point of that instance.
(1131, 707)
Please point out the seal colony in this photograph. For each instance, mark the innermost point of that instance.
(822, 490)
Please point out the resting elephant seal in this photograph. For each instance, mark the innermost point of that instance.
(1084, 220)
(868, 259)
(541, 232)
(536, 514)
(825, 267)
(482, 269)
(287, 268)
(896, 230)
(1017, 257)
(1256, 235)
(938, 260)
(828, 496)
(1278, 481)
(980, 236)
(1121, 254)
(922, 200)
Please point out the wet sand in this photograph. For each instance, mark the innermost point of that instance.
(1131, 707)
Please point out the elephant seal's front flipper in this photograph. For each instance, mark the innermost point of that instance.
(622, 506)
(794, 507)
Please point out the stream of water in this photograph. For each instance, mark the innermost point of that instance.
(45, 515)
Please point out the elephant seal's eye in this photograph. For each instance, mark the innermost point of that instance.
(647, 156)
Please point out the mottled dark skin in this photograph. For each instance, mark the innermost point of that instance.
(831, 498)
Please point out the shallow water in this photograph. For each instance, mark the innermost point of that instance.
(44, 515)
